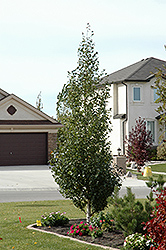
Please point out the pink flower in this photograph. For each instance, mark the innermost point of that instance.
(80, 234)
(77, 231)
(77, 227)
(85, 224)
(81, 222)
(67, 232)
(104, 220)
(72, 231)
(101, 221)
(83, 228)
(71, 227)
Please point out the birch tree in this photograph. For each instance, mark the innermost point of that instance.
(81, 164)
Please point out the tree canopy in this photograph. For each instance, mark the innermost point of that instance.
(39, 104)
(160, 86)
(82, 161)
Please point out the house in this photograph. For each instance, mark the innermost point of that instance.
(132, 97)
(27, 135)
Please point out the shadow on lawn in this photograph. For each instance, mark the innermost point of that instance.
(35, 205)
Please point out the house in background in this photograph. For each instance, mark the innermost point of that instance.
(132, 97)
(27, 135)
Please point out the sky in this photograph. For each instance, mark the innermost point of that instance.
(39, 40)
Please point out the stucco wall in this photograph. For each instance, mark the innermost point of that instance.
(146, 108)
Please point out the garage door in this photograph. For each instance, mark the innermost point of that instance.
(23, 149)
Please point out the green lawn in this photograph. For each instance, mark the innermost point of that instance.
(16, 236)
(141, 177)
(159, 168)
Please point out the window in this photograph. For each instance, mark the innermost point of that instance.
(155, 94)
(136, 94)
(151, 127)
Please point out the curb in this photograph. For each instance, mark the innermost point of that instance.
(70, 238)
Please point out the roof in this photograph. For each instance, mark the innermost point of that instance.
(139, 71)
(35, 116)
(26, 122)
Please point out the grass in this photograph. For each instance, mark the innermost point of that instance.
(159, 168)
(16, 236)
(141, 177)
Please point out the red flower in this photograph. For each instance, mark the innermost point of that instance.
(80, 234)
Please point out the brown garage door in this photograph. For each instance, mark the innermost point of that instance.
(23, 149)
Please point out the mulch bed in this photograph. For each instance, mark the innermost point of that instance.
(110, 239)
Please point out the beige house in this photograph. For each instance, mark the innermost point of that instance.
(27, 135)
(132, 96)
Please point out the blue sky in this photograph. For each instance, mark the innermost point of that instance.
(39, 40)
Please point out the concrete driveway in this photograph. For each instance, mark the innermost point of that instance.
(26, 178)
(27, 183)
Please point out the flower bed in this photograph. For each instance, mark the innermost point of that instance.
(111, 239)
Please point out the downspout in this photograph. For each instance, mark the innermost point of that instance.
(125, 120)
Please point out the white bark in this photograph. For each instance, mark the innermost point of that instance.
(88, 214)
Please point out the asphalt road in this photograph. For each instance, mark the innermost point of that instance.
(35, 183)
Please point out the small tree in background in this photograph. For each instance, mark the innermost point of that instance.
(161, 151)
(160, 86)
(82, 161)
(39, 104)
(139, 143)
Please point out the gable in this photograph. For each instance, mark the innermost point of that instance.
(14, 108)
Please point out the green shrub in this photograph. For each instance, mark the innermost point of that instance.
(54, 219)
(153, 154)
(161, 151)
(128, 214)
(103, 221)
(157, 185)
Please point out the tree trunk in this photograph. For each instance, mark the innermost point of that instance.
(88, 213)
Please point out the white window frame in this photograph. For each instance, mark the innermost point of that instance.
(150, 126)
(155, 96)
(137, 87)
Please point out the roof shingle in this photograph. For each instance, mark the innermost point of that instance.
(139, 71)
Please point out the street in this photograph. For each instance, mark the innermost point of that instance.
(35, 183)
